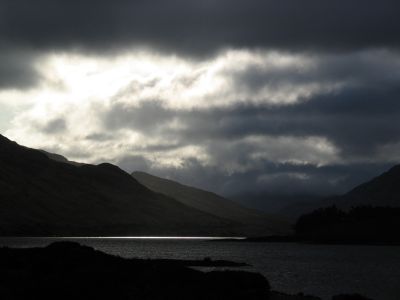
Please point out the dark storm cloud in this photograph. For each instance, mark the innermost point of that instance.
(200, 27)
(17, 70)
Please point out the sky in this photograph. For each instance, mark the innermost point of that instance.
(280, 97)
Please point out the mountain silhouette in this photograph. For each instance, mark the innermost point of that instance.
(247, 220)
(42, 196)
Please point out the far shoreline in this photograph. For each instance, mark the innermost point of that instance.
(240, 239)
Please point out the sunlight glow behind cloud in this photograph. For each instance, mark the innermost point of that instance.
(75, 89)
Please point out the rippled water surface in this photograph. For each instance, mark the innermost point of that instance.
(321, 270)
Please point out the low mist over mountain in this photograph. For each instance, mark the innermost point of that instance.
(273, 203)
(42, 196)
(214, 204)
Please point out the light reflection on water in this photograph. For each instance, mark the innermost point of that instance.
(322, 270)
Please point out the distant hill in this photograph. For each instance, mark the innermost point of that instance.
(250, 220)
(381, 191)
(41, 196)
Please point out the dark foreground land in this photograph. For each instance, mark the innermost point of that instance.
(67, 270)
